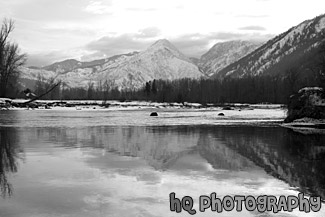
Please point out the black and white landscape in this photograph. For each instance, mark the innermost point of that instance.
(107, 107)
(297, 48)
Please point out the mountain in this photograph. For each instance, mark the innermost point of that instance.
(296, 48)
(195, 60)
(64, 66)
(72, 64)
(71, 72)
(162, 60)
(223, 54)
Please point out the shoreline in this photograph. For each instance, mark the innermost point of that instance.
(307, 126)
(235, 113)
(79, 104)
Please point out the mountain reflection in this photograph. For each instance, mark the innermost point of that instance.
(8, 158)
(294, 158)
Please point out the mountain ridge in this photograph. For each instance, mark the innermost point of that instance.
(289, 49)
(222, 54)
(161, 60)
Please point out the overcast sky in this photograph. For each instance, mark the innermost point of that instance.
(54, 30)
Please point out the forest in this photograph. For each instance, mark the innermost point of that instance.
(257, 89)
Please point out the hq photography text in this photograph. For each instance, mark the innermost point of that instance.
(261, 203)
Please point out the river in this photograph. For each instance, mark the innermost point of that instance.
(126, 163)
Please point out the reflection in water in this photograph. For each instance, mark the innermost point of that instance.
(130, 170)
(8, 159)
(297, 159)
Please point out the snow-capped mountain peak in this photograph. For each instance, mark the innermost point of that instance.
(162, 60)
(163, 48)
(163, 42)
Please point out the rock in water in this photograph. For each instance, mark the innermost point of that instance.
(309, 102)
(154, 114)
(221, 114)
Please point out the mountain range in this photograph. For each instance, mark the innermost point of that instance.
(296, 48)
(161, 60)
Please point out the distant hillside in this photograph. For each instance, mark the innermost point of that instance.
(64, 66)
(223, 54)
(296, 48)
(72, 64)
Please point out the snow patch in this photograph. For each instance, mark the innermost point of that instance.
(229, 73)
(310, 89)
(321, 25)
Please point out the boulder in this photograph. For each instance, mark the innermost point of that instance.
(227, 108)
(221, 114)
(154, 114)
(309, 102)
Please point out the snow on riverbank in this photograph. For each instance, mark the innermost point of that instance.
(54, 104)
(134, 116)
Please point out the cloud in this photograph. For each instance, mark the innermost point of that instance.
(47, 58)
(253, 28)
(252, 16)
(43, 59)
(125, 43)
(142, 9)
(149, 32)
(49, 10)
(97, 7)
(107, 46)
(113, 45)
(192, 45)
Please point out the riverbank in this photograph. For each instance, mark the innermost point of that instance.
(136, 116)
(96, 104)
(307, 126)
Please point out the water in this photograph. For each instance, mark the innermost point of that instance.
(125, 163)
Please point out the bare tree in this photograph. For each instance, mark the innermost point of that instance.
(10, 59)
(43, 94)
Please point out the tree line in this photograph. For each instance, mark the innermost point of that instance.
(251, 89)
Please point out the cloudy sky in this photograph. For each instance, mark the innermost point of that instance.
(54, 30)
